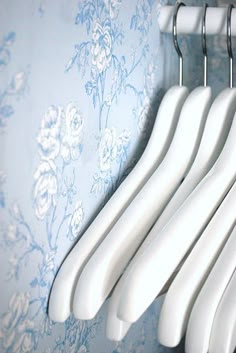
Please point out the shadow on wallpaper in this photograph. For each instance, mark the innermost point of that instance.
(80, 85)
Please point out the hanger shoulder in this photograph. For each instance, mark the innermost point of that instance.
(204, 309)
(223, 332)
(112, 256)
(116, 329)
(169, 246)
(188, 282)
(164, 127)
(217, 126)
(216, 130)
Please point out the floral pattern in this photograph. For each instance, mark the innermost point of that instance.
(5, 53)
(72, 139)
(18, 333)
(76, 220)
(101, 49)
(45, 189)
(74, 118)
(48, 138)
(112, 151)
(16, 86)
(2, 195)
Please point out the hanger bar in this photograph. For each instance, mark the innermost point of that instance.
(189, 20)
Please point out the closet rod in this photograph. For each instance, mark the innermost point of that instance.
(190, 18)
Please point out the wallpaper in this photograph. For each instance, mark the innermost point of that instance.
(80, 85)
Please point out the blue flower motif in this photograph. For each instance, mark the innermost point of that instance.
(4, 58)
(113, 7)
(77, 334)
(143, 114)
(122, 145)
(151, 78)
(18, 84)
(48, 262)
(45, 189)
(98, 184)
(112, 151)
(86, 14)
(107, 149)
(72, 335)
(18, 333)
(49, 145)
(2, 199)
(142, 20)
(102, 45)
(6, 110)
(76, 220)
(112, 148)
(12, 234)
(71, 145)
(17, 87)
(2, 195)
(9, 38)
(52, 120)
(48, 138)
(89, 87)
(16, 213)
(5, 54)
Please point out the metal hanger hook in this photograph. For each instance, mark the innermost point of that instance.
(204, 44)
(176, 45)
(229, 45)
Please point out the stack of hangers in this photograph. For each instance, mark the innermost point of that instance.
(170, 226)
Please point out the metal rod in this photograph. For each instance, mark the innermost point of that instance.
(189, 20)
(229, 45)
(204, 45)
(175, 41)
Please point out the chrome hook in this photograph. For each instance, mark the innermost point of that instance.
(175, 41)
(204, 45)
(229, 45)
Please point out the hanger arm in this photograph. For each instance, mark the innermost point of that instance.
(217, 127)
(203, 313)
(165, 252)
(215, 133)
(62, 291)
(183, 291)
(112, 256)
(223, 332)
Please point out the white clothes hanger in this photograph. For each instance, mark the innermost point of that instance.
(112, 256)
(223, 331)
(62, 291)
(116, 329)
(204, 309)
(167, 117)
(207, 303)
(216, 130)
(164, 253)
(217, 127)
(183, 291)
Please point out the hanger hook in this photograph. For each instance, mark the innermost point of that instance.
(204, 44)
(229, 45)
(176, 45)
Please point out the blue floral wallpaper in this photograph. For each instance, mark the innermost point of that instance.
(80, 84)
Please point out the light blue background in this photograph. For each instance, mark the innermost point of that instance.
(80, 84)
